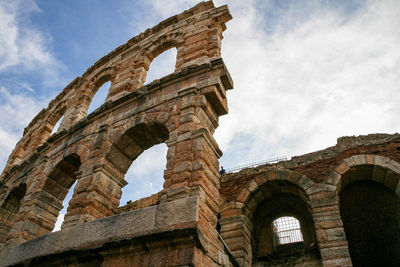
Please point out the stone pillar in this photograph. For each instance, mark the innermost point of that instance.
(192, 163)
(236, 232)
(38, 210)
(37, 216)
(330, 232)
(204, 42)
(96, 195)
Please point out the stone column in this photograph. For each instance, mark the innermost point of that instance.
(38, 210)
(236, 232)
(96, 195)
(330, 232)
(37, 216)
(192, 163)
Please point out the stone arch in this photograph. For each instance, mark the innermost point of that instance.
(129, 145)
(44, 197)
(154, 49)
(38, 136)
(55, 116)
(9, 210)
(270, 186)
(374, 167)
(105, 75)
(274, 199)
(162, 44)
(162, 118)
(302, 181)
(100, 190)
(368, 189)
(57, 184)
(87, 89)
(37, 132)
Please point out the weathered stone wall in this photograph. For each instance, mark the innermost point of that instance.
(145, 202)
(317, 179)
(195, 33)
(96, 150)
(199, 218)
(153, 240)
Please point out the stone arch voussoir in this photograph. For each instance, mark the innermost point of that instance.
(12, 189)
(274, 174)
(334, 178)
(52, 164)
(161, 118)
(161, 44)
(106, 74)
(124, 147)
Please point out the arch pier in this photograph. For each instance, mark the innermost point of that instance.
(344, 200)
(96, 150)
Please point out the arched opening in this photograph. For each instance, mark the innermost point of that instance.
(54, 122)
(162, 65)
(9, 210)
(58, 184)
(286, 230)
(370, 212)
(63, 211)
(145, 175)
(100, 97)
(283, 226)
(131, 145)
(57, 125)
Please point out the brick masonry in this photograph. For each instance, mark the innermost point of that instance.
(199, 218)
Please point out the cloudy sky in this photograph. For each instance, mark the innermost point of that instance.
(305, 72)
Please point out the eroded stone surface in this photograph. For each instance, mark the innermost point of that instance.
(199, 218)
(96, 150)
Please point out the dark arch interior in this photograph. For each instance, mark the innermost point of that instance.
(60, 181)
(281, 199)
(371, 218)
(133, 142)
(62, 177)
(9, 210)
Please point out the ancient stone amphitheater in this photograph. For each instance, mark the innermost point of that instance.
(343, 201)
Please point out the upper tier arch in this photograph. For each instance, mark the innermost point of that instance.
(126, 67)
(180, 109)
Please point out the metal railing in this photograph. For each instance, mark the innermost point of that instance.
(257, 163)
(287, 230)
(289, 236)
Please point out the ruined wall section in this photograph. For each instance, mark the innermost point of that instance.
(317, 165)
(317, 179)
(95, 150)
(195, 33)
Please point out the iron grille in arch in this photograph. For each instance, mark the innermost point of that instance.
(287, 230)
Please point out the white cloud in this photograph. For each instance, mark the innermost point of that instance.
(17, 111)
(162, 11)
(309, 84)
(22, 46)
(305, 74)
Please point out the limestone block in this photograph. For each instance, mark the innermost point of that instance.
(342, 168)
(335, 234)
(177, 212)
(381, 161)
(335, 253)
